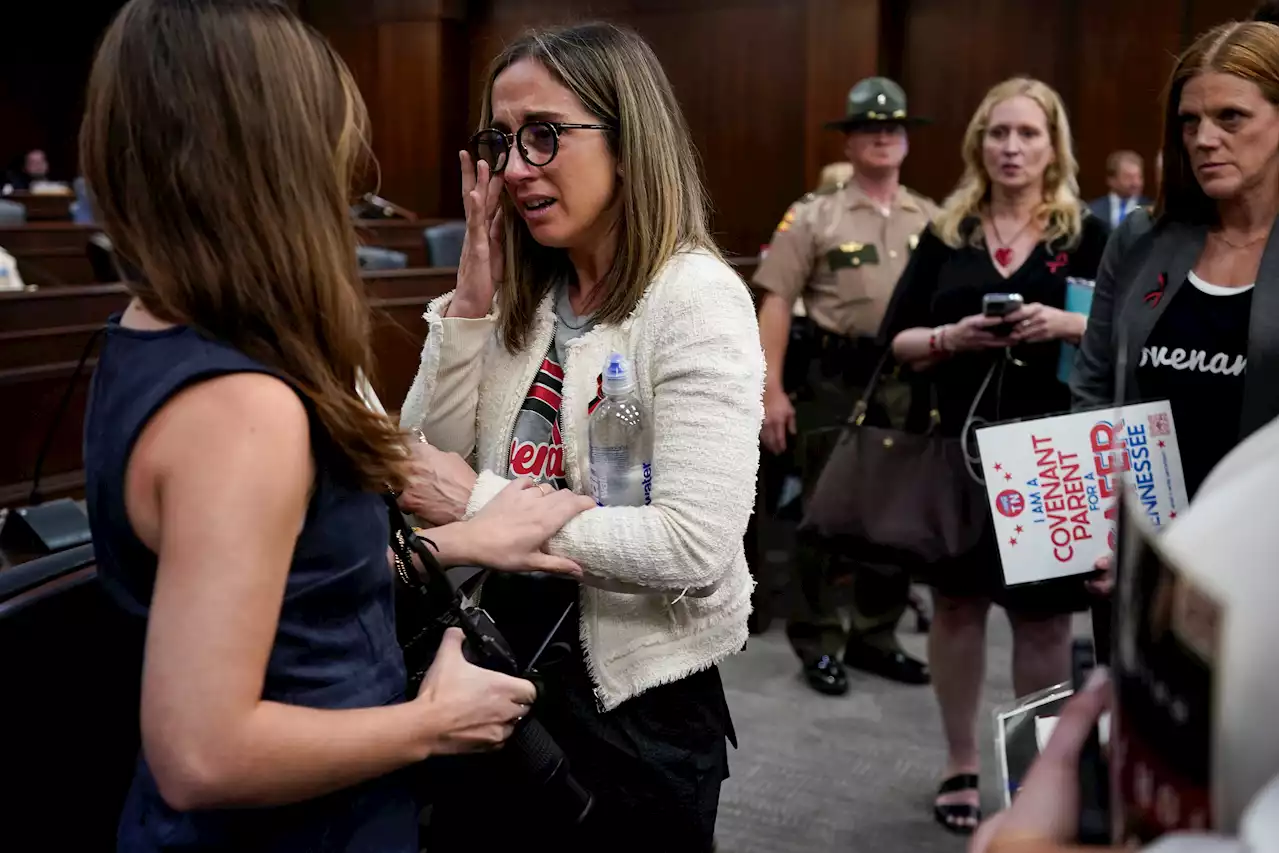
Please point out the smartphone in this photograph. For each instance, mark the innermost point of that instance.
(1094, 822)
(1001, 305)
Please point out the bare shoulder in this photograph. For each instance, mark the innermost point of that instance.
(235, 415)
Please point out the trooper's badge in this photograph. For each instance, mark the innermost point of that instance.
(852, 255)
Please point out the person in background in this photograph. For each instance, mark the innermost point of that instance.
(35, 168)
(1185, 304)
(779, 485)
(1226, 546)
(587, 235)
(834, 175)
(1124, 182)
(841, 250)
(233, 473)
(1014, 224)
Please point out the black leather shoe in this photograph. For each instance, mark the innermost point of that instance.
(894, 665)
(826, 676)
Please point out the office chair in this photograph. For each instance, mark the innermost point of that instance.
(373, 258)
(444, 243)
(82, 207)
(12, 213)
(69, 734)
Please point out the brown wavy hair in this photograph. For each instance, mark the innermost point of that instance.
(221, 140)
(1246, 50)
(664, 205)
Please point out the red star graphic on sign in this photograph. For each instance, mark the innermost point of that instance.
(1008, 476)
(1160, 442)
(1173, 514)
(1013, 541)
(998, 467)
(1018, 529)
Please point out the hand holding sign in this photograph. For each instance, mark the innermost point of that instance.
(1054, 482)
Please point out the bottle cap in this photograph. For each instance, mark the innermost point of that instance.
(617, 377)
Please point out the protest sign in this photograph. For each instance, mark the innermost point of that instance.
(1053, 484)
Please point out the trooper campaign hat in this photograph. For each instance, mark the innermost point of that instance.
(875, 100)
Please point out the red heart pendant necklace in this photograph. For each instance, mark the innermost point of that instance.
(1004, 251)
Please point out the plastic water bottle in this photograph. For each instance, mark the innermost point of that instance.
(621, 473)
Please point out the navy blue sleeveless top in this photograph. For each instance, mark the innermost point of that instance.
(335, 646)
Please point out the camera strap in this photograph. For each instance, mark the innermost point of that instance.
(406, 545)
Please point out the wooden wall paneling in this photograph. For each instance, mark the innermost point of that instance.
(1125, 53)
(398, 55)
(739, 72)
(842, 46)
(407, 132)
(1199, 16)
(955, 51)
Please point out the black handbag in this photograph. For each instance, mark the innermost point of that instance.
(896, 498)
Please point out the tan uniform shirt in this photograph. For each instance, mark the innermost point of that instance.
(843, 254)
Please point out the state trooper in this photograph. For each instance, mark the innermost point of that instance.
(841, 251)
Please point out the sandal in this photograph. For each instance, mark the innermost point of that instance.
(950, 815)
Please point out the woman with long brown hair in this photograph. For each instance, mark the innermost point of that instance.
(233, 471)
(587, 235)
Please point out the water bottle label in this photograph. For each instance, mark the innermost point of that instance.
(617, 482)
(606, 462)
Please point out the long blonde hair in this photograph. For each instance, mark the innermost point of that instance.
(1060, 211)
(220, 140)
(664, 207)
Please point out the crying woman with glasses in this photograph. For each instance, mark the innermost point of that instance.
(587, 235)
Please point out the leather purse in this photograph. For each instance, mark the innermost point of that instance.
(894, 498)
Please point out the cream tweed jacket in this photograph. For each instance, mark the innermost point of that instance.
(666, 591)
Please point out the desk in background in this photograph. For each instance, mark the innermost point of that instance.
(44, 207)
(51, 254)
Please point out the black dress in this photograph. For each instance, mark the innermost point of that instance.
(944, 285)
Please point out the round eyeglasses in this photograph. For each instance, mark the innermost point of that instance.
(538, 141)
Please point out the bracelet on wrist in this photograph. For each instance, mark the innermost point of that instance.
(938, 341)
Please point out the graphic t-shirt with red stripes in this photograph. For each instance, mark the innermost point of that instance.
(537, 450)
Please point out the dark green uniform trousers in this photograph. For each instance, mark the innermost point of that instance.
(824, 580)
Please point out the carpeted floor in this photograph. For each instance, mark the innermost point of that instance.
(854, 774)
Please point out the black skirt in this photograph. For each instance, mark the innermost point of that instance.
(979, 574)
(654, 764)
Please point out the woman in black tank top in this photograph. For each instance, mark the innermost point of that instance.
(233, 472)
